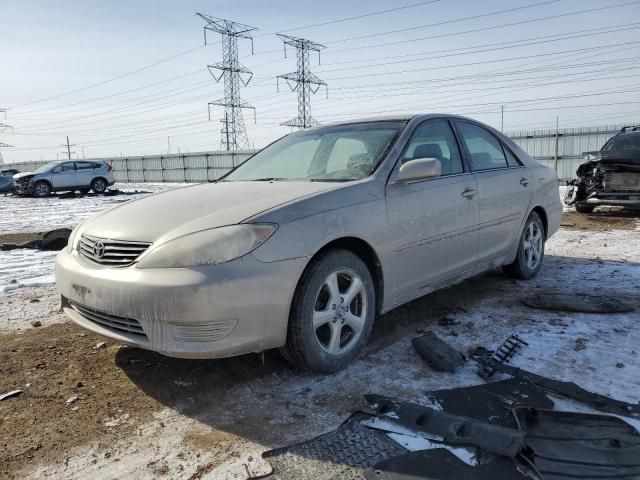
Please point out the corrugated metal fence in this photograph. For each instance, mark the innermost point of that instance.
(563, 149)
(184, 167)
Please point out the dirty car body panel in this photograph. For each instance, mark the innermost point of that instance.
(418, 236)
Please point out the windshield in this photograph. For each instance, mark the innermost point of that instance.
(628, 141)
(47, 167)
(342, 153)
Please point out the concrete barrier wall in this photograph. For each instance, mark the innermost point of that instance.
(186, 167)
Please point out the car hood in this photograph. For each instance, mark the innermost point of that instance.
(171, 214)
(20, 175)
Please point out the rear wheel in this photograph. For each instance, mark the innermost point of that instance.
(332, 313)
(530, 254)
(41, 189)
(584, 208)
(99, 185)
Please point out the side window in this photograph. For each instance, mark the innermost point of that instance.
(485, 149)
(65, 167)
(435, 139)
(348, 153)
(512, 161)
(85, 165)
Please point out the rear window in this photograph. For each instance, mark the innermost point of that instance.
(622, 142)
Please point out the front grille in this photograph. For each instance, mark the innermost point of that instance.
(622, 181)
(112, 322)
(115, 253)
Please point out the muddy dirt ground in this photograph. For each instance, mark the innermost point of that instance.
(91, 408)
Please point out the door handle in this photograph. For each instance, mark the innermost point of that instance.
(524, 181)
(469, 193)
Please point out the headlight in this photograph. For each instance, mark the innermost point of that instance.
(208, 247)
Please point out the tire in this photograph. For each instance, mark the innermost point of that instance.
(41, 189)
(341, 330)
(99, 185)
(530, 254)
(584, 208)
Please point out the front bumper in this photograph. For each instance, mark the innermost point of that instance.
(618, 199)
(206, 312)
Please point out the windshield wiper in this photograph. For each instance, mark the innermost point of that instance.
(332, 179)
(269, 179)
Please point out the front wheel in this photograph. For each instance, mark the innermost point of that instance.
(530, 254)
(332, 313)
(41, 189)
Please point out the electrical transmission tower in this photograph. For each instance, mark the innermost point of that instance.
(3, 129)
(303, 80)
(234, 74)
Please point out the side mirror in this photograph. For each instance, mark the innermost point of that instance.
(419, 169)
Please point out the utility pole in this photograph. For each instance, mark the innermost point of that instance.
(502, 118)
(168, 145)
(68, 147)
(555, 156)
(233, 74)
(302, 81)
(4, 128)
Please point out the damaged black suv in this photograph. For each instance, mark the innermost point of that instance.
(610, 176)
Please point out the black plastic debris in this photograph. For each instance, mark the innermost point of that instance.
(492, 402)
(343, 454)
(577, 302)
(570, 390)
(441, 464)
(501, 355)
(570, 445)
(452, 429)
(52, 240)
(438, 354)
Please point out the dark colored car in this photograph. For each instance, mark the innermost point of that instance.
(610, 176)
(6, 180)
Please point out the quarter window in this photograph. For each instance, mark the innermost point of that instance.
(485, 149)
(435, 139)
(512, 161)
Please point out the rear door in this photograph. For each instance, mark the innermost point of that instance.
(432, 223)
(505, 189)
(64, 176)
(85, 172)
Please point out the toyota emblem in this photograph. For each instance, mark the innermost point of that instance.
(98, 249)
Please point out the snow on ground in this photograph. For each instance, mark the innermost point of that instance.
(24, 214)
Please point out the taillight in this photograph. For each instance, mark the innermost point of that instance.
(109, 168)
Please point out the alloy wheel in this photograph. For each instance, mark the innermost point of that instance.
(340, 312)
(533, 245)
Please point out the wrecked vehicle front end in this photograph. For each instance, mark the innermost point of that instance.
(610, 176)
(23, 183)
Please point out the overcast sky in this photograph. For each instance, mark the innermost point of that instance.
(61, 60)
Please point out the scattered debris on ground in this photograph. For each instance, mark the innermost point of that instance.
(12, 393)
(54, 240)
(573, 302)
(502, 354)
(437, 353)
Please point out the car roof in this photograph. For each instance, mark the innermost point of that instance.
(399, 118)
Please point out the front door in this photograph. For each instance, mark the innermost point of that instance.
(505, 189)
(64, 176)
(432, 222)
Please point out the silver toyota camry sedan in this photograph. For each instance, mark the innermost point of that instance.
(303, 245)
